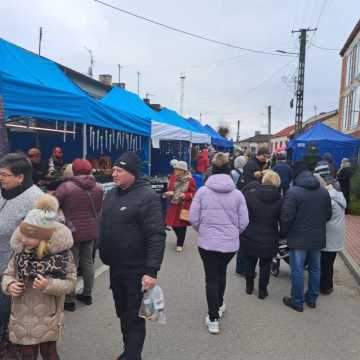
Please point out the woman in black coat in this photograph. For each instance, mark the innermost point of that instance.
(259, 242)
(344, 176)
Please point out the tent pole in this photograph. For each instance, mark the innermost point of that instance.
(149, 167)
(84, 150)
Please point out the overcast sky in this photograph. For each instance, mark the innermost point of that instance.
(223, 84)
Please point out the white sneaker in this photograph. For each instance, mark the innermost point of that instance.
(213, 326)
(179, 249)
(222, 309)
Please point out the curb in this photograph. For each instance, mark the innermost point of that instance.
(353, 267)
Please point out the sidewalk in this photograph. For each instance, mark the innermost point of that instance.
(351, 255)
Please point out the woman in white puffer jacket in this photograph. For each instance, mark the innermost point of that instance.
(335, 236)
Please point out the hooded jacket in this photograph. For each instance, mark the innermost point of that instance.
(75, 202)
(262, 234)
(335, 227)
(37, 316)
(132, 239)
(306, 209)
(219, 214)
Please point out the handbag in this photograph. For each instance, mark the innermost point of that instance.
(184, 215)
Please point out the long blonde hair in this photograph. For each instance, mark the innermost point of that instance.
(42, 249)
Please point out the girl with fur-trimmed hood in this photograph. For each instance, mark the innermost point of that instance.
(40, 273)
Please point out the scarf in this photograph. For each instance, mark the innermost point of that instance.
(181, 186)
(28, 265)
(18, 190)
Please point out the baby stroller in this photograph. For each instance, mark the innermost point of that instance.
(283, 253)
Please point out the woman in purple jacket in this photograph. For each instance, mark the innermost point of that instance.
(219, 214)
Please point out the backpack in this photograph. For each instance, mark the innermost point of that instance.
(241, 180)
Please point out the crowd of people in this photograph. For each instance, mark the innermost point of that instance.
(244, 209)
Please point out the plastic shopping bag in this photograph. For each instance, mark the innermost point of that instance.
(153, 305)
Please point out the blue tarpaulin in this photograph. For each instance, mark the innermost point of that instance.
(326, 140)
(217, 139)
(32, 85)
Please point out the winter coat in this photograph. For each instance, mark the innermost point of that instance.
(219, 214)
(173, 211)
(251, 167)
(344, 176)
(306, 209)
(261, 237)
(285, 172)
(12, 212)
(335, 227)
(132, 237)
(37, 316)
(77, 208)
(202, 162)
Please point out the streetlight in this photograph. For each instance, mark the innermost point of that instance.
(287, 52)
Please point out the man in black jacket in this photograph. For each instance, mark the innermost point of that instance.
(132, 244)
(254, 167)
(305, 212)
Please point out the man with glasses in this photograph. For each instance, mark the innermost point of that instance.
(17, 196)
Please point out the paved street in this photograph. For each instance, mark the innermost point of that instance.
(251, 328)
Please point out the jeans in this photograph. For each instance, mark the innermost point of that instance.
(128, 296)
(327, 270)
(180, 235)
(240, 263)
(297, 266)
(83, 256)
(215, 265)
(264, 277)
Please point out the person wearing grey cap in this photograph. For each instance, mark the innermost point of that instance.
(132, 243)
(181, 190)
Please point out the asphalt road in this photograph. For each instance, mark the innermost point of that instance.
(250, 329)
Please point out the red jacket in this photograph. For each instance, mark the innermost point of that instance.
(77, 208)
(202, 162)
(173, 212)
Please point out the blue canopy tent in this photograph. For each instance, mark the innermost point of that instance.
(326, 140)
(35, 87)
(218, 140)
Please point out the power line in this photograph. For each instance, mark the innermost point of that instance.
(324, 48)
(268, 78)
(318, 20)
(201, 37)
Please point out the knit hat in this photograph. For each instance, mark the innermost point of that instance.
(40, 223)
(299, 167)
(81, 167)
(173, 162)
(181, 165)
(240, 162)
(322, 168)
(130, 162)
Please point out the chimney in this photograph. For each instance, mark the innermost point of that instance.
(156, 107)
(147, 101)
(121, 85)
(105, 79)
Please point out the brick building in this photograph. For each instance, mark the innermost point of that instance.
(349, 104)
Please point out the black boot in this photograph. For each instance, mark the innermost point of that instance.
(263, 293)
(249, 286)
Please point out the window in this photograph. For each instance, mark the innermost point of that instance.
(356, 107)
(357, 70)
(344, 113)
(348, 68)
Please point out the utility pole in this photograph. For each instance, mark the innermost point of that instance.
(92, 61)
(119, 71)
(40, 39)
(300, 80)
(138, 82)
(182, 89)
(269, 126)
(238, 133)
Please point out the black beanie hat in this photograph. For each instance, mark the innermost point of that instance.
(299, 167)
(130, 162)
